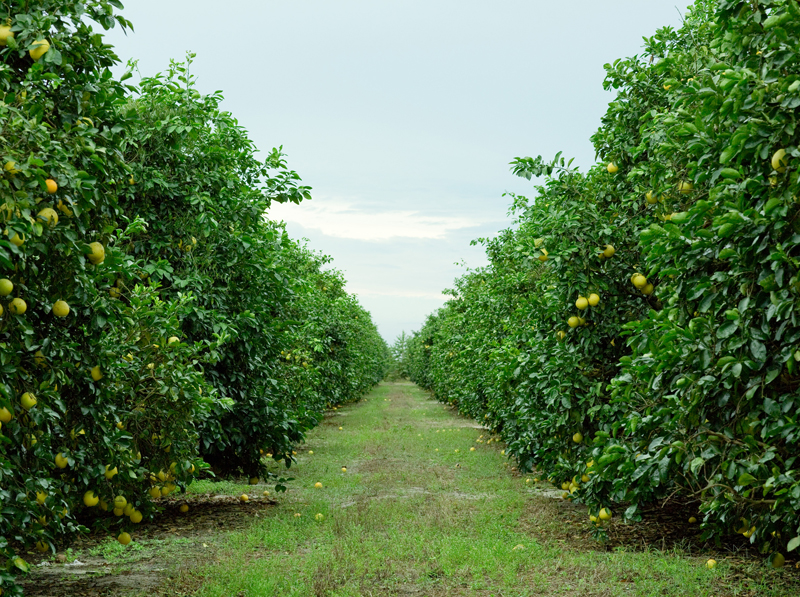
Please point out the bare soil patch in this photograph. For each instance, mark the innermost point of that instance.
(189, 538)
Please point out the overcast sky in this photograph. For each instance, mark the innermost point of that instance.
(402, 115)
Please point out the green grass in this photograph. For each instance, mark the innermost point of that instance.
(413, 516)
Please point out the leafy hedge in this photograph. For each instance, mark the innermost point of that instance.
(682, 381)
(153, 321)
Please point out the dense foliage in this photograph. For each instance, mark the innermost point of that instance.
(683, 380)
(153, 321)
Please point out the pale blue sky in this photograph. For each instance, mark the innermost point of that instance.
(402, 115)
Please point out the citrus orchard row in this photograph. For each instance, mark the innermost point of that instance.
(677, 377)
(155, 325)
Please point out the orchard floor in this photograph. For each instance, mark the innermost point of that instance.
(417, 513)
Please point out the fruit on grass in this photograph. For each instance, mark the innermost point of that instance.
(60, 308)
(6, 286)
(253, 480)
(778, 561)
(692, 520)
(90, 499)
(779, 160)
(17, 306)
(98, 254)
(124, 538)
(27, 400)
(184, 508)
(594, 299)
(344, 469)
(52, 185)
(711, 564)
(39, 49)
(582, 303)
(244, 497)
(318, 485)
(319, 517)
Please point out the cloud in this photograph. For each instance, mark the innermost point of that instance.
(342, 219)
(399, 293)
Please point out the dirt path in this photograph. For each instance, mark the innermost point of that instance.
(425, 505)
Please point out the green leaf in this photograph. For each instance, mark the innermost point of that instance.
(745, 479)
(22, 565)
(758, 350)
(696, 464)
(792, 545)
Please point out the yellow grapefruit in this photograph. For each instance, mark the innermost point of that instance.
(639, 281)
(5, 33)
(60, 308)
(779, 160)
(39, 49)
(27, 400)
(17, 306)
(49, 215)
(90, 499)
(98, 254)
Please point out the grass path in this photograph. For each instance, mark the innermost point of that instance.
(419, 513)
